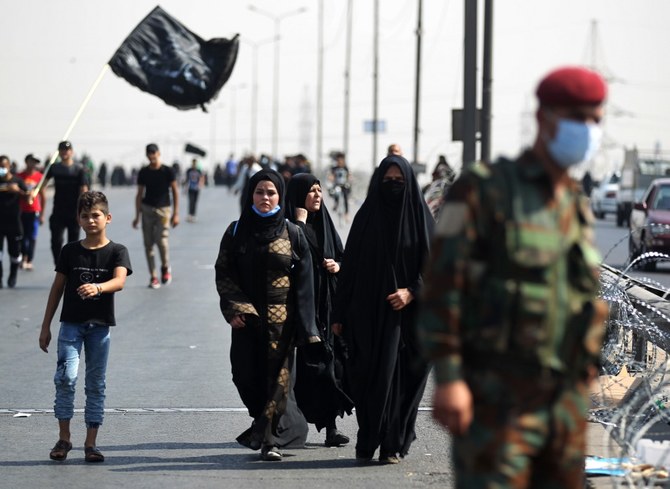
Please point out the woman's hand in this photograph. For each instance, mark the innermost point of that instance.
(331, 265)
(238, 321)
(400, 299)
(301, 214)
(336, 329)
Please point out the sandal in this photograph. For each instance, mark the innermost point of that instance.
(270, 453)
(388, 459)
(93, 454)
(60, 450)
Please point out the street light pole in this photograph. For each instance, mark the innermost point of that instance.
(254, 89)
(375, 85)
(470, 85)
(233, 116)
(487, 81)
(275, 92)
(347, 79)
(417, 87)
(319, 90)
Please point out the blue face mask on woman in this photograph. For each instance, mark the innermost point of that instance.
(574, 142)
(3, 172)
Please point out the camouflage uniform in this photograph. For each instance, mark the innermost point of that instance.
(510, 307)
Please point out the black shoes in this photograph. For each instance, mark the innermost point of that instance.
(11, 280)
(335, 438)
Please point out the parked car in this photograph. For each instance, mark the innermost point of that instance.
(604, 196)
(638, 171)
(650, 222)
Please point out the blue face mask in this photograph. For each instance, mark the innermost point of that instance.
(265, 214)
(574, 142)
(3, 172)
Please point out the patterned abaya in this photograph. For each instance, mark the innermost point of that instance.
(264, 272)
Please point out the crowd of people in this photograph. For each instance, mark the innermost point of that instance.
(491, 278)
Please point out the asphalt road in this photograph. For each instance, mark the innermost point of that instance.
(172, 410)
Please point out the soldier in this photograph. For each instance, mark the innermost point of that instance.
(510, 317)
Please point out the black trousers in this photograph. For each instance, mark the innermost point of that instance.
(58, 224)
(192, 201)
(13, 236)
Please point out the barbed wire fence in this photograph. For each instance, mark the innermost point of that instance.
(632, 398)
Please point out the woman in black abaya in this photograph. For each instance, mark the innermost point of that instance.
(375, 310)
(264, 281)
(320, 385)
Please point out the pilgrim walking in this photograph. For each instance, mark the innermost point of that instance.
(321, 382)
(375, 310)
(264, 280)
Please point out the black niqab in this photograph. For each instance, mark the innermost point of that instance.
(393, 233)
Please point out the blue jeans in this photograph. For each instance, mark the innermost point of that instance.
(95, 340)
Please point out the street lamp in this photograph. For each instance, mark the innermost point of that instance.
(254, 88)
(233, 116)
(233, 122)
(277, 18)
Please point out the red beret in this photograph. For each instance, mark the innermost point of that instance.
(571, 86)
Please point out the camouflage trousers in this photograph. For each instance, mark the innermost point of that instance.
(528, 432)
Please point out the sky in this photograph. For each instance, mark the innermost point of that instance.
(52, 52)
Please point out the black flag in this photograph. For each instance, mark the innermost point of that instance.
(193, 149)
(163, 57)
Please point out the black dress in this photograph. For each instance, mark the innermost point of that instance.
(321, 384)
(385, 251)
(263, 271)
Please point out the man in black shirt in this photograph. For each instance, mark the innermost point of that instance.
(69, 182)
(152, 202)
(12, 189)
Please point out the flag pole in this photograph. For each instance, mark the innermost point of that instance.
(75, 119)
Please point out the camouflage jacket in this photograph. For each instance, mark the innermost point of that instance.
(513, 275)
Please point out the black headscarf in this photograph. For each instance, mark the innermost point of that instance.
(324, 241)
(263, 229)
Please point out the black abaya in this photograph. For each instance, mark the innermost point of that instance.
(387, 244)
(320, 389)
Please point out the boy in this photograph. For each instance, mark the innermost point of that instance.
(88, 272)
(32, 215)
(154, 184)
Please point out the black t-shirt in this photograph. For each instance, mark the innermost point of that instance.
(9, 203)
(81, 265)
(157, 184)
(68, 181)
